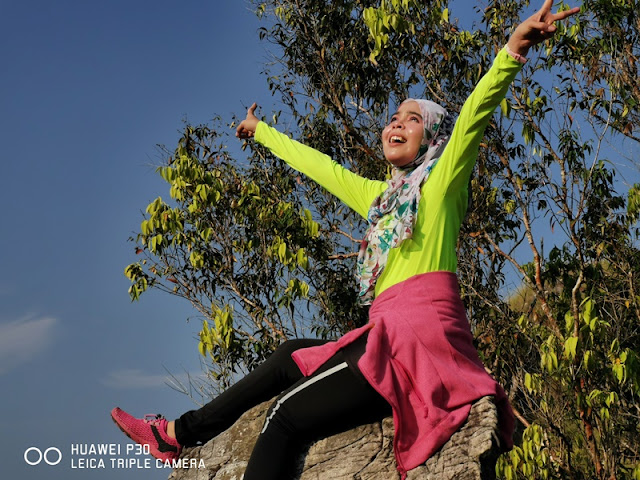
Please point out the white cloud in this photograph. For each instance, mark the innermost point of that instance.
(22, 340)
(134, 378)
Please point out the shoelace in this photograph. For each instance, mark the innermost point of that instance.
(152, 418)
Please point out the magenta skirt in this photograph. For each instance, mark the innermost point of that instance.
(420, 357)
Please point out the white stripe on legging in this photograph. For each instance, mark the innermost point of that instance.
(313, 380)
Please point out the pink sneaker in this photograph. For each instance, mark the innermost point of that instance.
(151, 430)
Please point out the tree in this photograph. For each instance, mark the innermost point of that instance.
(264, 254)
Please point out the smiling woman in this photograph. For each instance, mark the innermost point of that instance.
(416, 356)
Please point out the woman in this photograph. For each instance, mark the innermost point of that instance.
(415, 358)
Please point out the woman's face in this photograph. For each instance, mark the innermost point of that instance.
(401, 139)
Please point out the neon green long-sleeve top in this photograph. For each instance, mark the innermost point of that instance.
(443, 202)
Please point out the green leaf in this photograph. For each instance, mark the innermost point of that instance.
(505, 107)
(568, 322)
(570, 346)
(196, 259)
(587, 308)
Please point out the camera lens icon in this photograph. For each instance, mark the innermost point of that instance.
(34, 456)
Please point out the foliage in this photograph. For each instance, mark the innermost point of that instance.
(385, 19)
(264, 254)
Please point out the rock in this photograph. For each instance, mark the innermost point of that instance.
(363, 453)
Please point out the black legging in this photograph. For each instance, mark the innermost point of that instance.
(335, 398)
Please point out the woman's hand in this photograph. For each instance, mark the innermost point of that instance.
(537, 28)
(247, 127)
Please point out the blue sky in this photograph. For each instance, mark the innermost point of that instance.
(87, 91)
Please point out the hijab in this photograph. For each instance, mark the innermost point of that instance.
(392, 215)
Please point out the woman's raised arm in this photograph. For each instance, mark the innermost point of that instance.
(355, 191)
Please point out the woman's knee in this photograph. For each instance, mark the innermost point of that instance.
(294, 344)
(286, 348)
(283, 364)
(282, 354)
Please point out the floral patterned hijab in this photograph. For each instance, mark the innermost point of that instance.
(392, 215)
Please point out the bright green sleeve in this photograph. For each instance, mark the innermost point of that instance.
(458, 159)
(355, 191)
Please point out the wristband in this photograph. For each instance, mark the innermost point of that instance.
(515, 56)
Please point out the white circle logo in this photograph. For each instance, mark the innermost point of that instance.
(47, 456)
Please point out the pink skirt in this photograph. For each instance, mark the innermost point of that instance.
(420, 357)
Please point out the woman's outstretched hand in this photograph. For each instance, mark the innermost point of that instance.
(247, 127)
(537, 28)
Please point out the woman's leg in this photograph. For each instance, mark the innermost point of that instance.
(275, 374)
(335, 398)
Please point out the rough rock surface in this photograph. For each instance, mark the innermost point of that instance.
(364, 453)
